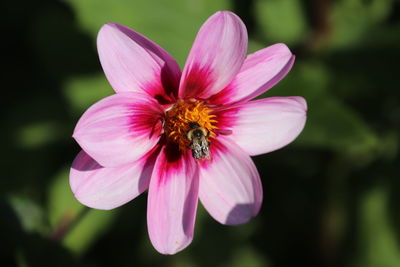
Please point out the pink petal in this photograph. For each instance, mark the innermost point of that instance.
(120, 129)
(107, 188)
(133, 63)
(217, 54)
(172, 201)
(260, 71)
(230, 186)
(264, 125)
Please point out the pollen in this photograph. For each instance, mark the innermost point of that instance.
(179, 117)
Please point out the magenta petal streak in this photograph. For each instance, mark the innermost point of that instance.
(120, 128)
(172, 201)
(218, 51)
(133, 63)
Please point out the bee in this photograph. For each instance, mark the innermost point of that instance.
(199, 144)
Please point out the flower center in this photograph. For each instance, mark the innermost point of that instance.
(188, 123)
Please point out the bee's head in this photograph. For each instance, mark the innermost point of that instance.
(193, 125)
(198, 133)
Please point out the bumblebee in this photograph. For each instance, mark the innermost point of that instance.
(199, 144)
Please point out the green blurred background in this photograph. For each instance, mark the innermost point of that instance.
(331, 197)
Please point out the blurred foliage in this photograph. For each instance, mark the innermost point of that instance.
(331, 197)
(292, 30)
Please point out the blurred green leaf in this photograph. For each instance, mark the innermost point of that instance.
(334, 125)
(330, 123)
(247, 256)
(29, 213)
(171, 24)
(81, 92)
(351, 20)
(76, 225)
(21, 259)
(378, 243)
(61, 203)
(39, 134)
(254, 46)
(88, 229)
(182, 261)
(282, 20)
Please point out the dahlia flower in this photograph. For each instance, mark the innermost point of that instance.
(184, 135)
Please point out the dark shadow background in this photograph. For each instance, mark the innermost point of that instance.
(331, 197)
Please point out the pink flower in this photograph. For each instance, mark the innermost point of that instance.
(184, 136)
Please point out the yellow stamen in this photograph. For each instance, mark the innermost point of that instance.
(177, 121)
